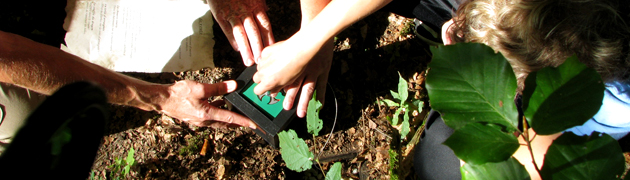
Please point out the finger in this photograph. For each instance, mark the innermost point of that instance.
(257, 77)
(220, 88)
(265, 86)
(240, 37)
(264, 26)
(230, 117)
(225, 27)
(305, 96)
(221, 125)
(292, 91)
(265, 55)
(253, 35)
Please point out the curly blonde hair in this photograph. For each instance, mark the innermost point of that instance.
(533, 34)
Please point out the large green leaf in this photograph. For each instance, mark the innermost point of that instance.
(468, 82)
(583, 157)
(313, 123)
(334, 173)
(508, 170)
(476, 143)
(294, 151)
(556, 99)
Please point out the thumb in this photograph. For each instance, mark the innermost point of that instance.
(219, 88)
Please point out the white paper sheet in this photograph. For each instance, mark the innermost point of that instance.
(141, 35)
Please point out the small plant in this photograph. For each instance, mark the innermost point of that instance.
(193, 144)
(405, 107)
(473, 88)
(393, 164)
(295, 151)
(120, 168)
(408, 29)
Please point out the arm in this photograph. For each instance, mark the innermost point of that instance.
(45, 69)
(305, 58)
(317, 77)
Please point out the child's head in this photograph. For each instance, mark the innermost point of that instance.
(533, 34)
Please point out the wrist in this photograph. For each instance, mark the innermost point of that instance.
(147, 96)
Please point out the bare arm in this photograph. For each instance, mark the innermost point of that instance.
(45, 69)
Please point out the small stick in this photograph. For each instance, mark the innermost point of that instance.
(204, 148)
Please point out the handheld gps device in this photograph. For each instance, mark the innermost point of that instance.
(264, 110)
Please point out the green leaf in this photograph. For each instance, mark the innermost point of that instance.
(477, 144)
(508, 170)
(334, 173)
(294, 151)
(313, 122)
(468, 82)
(126, 170)
(395, 95)
(396, 115)
(404, 128)
(418, 105)
(556, 99)
(402, 89)
(390, 103)
(130, 160)
(583, 157)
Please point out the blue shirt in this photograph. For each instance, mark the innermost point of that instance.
(613, 118)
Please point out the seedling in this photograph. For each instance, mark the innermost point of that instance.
(404, 107)
(121, 167)
(295, 151)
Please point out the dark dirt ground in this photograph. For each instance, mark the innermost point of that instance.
(368, 57)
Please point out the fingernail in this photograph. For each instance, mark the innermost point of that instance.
(252, 126)
(231, 85)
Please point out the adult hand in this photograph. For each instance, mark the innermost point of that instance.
(246, 25)
(290, 65)
(188, 101)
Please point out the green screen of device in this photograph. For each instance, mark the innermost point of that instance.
(272, 109)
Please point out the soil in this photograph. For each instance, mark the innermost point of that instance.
(368, 57)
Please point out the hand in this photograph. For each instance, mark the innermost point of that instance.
(246, 25)
(188, 101)
(287, 65)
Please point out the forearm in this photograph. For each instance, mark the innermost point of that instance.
(335, 17)
(310, 9)
(45, 69)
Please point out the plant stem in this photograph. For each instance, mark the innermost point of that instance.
(525, 135)
(320, 167)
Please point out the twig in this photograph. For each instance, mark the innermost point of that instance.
(204, 148)
(378, 130)
(525, 135)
